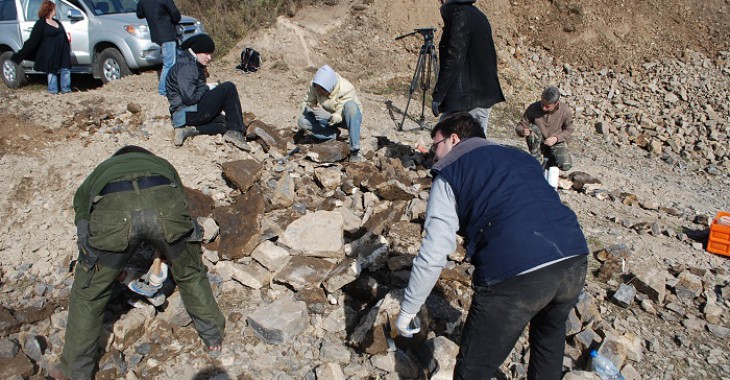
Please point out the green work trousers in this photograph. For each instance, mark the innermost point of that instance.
(119, 223)
(547, 156)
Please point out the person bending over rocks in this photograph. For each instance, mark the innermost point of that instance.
(129, 199)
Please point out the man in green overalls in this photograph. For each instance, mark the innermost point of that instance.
(132, 197)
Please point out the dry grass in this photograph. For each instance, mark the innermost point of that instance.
(228, 21)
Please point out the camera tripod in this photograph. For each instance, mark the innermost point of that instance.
(426, 67)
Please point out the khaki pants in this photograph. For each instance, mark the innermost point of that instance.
(119, 223)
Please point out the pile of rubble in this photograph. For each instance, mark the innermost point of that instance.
(309, 261)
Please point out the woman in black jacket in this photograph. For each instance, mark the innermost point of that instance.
(49, 48)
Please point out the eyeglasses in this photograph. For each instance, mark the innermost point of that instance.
(436, 144)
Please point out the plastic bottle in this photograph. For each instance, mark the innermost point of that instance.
(604, 367)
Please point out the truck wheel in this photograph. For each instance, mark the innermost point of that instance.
(111, 65)
(13, 74)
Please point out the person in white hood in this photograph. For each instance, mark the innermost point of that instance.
(340, 108)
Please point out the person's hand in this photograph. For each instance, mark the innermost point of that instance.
(407, 324)
(550, 141)
(335, 119)
(525, 132)
(435, 108)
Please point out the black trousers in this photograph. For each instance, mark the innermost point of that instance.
(224, 97)
(499, 314)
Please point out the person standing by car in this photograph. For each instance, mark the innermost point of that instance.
(196, 106)
(49, 48)
(161, 15)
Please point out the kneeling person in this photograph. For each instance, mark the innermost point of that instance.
(340, 109)
(546, 126)
(196, 106)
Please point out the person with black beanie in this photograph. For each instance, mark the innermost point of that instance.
(196, 106)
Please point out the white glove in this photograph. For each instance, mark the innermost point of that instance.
(335, 119)
(407, 324)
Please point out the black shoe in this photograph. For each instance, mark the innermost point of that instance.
(236, 138)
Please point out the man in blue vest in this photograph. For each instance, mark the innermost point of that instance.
(528, 251)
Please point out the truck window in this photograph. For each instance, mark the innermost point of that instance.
(7, 10)
(62, 9)
(106, 7)
(128, 5)
(77, 4)
(31, 8)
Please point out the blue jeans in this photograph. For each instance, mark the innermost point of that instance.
(479, 114)
(168, 60)
(317, 122)
(65, 82)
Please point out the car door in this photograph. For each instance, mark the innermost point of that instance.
(78, 31)
(30, 16)
(9, 27)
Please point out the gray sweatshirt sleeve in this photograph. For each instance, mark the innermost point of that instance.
(441, 225)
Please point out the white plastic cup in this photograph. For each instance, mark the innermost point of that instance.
(553, 173)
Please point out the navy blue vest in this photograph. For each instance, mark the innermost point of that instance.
(512, 219)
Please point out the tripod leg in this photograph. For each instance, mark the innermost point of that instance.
(428, 53)
(435, 63)
(412, 88)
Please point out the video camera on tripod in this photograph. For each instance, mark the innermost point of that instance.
(426, 67)
(427, 33)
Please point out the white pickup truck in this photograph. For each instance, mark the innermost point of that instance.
(107, 38)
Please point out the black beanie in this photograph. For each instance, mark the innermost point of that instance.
(199, 43)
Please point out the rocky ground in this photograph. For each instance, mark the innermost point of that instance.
(308, 254)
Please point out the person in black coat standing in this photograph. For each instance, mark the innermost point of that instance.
(467, 78)
(49, 47)
(162, 16)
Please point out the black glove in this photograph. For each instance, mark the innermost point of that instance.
(435, 108)
(82, 230)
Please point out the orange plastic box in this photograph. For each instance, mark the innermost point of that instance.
(719, 241)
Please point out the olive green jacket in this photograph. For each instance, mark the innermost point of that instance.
(124, 167)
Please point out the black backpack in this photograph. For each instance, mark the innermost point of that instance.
(250, 60)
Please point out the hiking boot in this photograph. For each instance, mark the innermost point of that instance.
(183, 133)
(236, 138)
(356, 156)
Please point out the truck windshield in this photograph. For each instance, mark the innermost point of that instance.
(108, 7)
